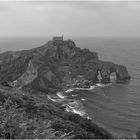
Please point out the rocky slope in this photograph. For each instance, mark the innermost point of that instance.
(56, 65)
(33, 116)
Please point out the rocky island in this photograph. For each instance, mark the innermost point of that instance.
(28, 76)
(56, 65)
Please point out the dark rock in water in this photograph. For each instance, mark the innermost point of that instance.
(56, 65)
(122, 73)
(107, 68)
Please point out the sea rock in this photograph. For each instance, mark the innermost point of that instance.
(106, 68)
(122, 73)
(57, 65)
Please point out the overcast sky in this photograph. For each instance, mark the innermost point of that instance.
(97, 19)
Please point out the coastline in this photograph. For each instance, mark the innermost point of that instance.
(51, 78)
(73, 105)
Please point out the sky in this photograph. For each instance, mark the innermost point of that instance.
(70, 18)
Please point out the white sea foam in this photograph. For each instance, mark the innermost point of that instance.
(73, 106)
(91, 88)
(72, 89)
(76, 107)
(69, 90)
(68, 109)
(80, 112)
(81, 88)
(60, 95)
(103, 85)
(55, 99)
(100, 85)
(74, 95)
(49, 97)
(75, 111)
(89, 118)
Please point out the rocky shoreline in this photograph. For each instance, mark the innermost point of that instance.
(48, 119)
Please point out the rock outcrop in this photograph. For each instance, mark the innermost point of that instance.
(29, 75)
(57, 65)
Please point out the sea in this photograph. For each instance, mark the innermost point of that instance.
(114, 106)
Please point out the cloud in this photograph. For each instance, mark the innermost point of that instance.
(86, 18)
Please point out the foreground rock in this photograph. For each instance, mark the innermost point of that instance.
(56, 65)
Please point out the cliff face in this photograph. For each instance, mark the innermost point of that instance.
(57, 65)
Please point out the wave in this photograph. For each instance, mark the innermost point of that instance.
(55, 98)
(75, 108)
(103, 85)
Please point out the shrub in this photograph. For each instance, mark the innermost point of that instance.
(15, 124)
(10, 118)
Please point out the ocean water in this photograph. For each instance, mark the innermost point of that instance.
(116, 107)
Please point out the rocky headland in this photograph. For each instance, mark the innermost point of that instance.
(56, 65)
(28, 76)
